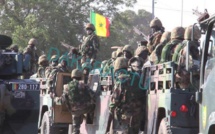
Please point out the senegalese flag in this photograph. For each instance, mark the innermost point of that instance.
(101, 24)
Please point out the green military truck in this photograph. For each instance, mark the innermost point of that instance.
(206, 95)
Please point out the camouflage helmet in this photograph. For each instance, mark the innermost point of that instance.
(32, 41)
(14, 47)
(188, 33)
(128, 48)
(165, 36)
(76, 73)
(119, 51)
(140, 49)
(42, 59)
(54, 58)
(90, 26)
(155, 23)
(113, 55)
(120, 63)
(177, 33)
(42, 56)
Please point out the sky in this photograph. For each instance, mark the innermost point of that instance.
(170, 11)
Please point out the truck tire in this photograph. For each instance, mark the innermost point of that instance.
(46, 127)
(164, 128)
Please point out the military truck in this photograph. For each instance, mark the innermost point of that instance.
(206, 95)
(19, 98)
(53, 119)
(169, 109)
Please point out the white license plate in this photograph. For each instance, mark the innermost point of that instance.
(19, 94)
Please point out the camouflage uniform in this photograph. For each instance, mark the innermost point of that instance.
(177, 36)
(30, 59)
(78, 99)
(127, 100)
(86, 67)
(51, 73)
(43, 63)
(53, 65)
(90, 46)
(155, 56)
(154, 38)
(183, 75)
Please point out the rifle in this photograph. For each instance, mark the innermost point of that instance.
(202, 16)
(72, 50)
(140, 33)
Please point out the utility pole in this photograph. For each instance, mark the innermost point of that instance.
(181, 13)
(153, 9)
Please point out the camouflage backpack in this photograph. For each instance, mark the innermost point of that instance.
(77, 94)
(168, 51)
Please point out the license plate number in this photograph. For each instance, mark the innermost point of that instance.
(19, 94)
(25, 87)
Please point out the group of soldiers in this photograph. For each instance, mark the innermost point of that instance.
(128, 100)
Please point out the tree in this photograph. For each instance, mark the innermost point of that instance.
(53, 21)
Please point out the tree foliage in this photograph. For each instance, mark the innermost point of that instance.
(53, 21)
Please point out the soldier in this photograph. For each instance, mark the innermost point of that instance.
(127, 100)
(30, 58)
(86, 67)
(90, 46)
(177, 36)
(109, 63)
(156, 54)
(14, 48)
(53, 64)
(183, 75)
(136, 64)
(51, 73)
(157, 31)
(128, 52)
(142, 52)
(63, 65)
(43, 63)
(78, 99)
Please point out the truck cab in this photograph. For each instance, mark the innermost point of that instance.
(205, 95)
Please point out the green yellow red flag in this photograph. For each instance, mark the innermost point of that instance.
(101, 24)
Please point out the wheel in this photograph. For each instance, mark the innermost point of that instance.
(46, 127)
(164, 128)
